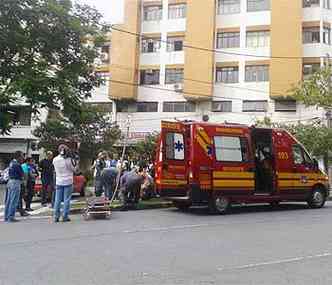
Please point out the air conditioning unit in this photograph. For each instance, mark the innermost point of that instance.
(149, 71)
(178, 87)
(104, 56)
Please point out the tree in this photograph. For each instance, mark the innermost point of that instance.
(315, 90)
(45, 56)
(316, 137)
(90, 127)
(146, 149)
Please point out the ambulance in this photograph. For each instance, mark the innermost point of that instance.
(200, 163)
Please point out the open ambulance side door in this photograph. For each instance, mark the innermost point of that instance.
(172, 177)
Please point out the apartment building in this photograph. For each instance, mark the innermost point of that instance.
(233, 60)
(100, 96)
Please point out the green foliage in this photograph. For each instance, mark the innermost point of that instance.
(90, 127)
(45, 58)
(146, 149)
(316, 137)
(315, 90)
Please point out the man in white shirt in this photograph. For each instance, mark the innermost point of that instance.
(65, 167)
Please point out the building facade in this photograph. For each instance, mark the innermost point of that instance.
(21, 137)
(233, 60)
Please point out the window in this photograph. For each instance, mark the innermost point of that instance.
(311, 35)
(175, 44)
(150, 45)
(227, 75)
(122, 107)
(311, 3)
(257, 73)
(152, 13)
(149, 77)
(309, 69)
(258, 39)
(177, 11)
(21, 116)
(104, 107)
(179, 107)
(174, 75)
(300, 156)
(327, 36)
(222, 106)
(105, 51)
(285, 106)
(229, 6)
(231, 149)
(174, 146)
(228, 40)
(254, 106)
(258, 5)
(147, 107)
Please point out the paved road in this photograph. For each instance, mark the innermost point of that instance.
(254, 245)
(2, 194)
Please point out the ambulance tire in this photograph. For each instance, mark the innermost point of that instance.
(219, 204)
(317, 199)
(181, 206)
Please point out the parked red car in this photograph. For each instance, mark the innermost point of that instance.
(79, 185)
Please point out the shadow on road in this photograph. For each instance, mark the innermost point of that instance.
(249, 209)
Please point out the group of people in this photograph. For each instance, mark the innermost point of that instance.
(24, 171)
(129, 178)
(22, 175)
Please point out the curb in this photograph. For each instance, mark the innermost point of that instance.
(141, 206)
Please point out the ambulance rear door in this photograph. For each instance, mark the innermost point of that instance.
(173, 177)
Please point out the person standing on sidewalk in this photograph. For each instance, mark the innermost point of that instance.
(14, 186)
(65, 166)
(99, 166)
(33, 173)
(23, 193)
(47, 172)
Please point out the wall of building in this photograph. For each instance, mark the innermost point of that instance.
(285, 40)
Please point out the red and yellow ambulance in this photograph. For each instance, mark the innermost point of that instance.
(220, 164)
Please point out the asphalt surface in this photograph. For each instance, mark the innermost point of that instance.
(2, 194)
(252, 245)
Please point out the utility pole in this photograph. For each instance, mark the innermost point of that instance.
(125, 142)
(329, 112)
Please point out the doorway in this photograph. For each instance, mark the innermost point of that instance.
(264, 161)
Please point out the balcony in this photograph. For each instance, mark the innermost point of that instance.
(176, 25)
(152, 58)
(311, 14)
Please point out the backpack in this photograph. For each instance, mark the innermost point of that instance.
(5, 175)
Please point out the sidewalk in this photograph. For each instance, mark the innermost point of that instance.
(79, 204)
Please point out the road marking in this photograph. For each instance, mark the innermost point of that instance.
(276, 262)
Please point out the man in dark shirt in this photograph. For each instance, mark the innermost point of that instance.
(14, 186)
(47, 172)
(100, 165)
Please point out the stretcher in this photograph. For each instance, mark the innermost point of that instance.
(97, 208)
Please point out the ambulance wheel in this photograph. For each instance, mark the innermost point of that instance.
(317, 199)
(219, 204)
(181, 205)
